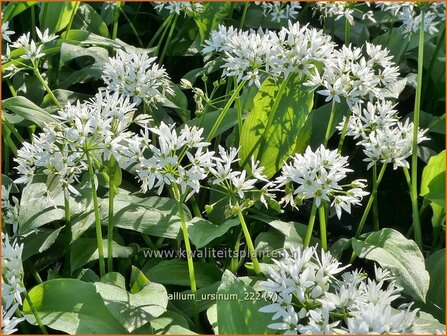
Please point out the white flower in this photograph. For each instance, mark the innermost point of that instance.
(280, 10)
(136, 75)
(308, 297)
(33, 52)
(45, 37)
(317, 175)
(6, 32)
(176, 7)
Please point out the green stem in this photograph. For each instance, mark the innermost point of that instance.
(323, 234)
(347, 32)
(168, 40)
(370, 201)
(33, 23)
(110, 227)
(235, 260)
(160, 30)
(11, 88)
(195, 206)
(116, 19)
(68, 236)
(76, 6)
(251, 247)
(132, 27)
(244, 14)
(375, 203)
(224, 112)
(239, 111)
(407, 178)
(47, 88)
(102, 268)
(42, 327)
(414, 156)
(310, 225)
(343, 132)
(329, 125)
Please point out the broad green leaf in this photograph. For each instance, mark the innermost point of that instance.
(88, 19)
(202, 232)
(427, 324)
(137, 280)
(211, 314)
(400, 256)
(34, 214)
(270, 131)
(38, 241)
(85, 250)
(56, 15)
(206, 297)
(64, 97)
(156, 216)
(433, 180)
(132, 310)
(15, 8)
(71, 306)
(8, 183)
(236, 313)
(175, 272)
(213, 14)
(171, 323)
(208, 120)
(435, 302)
(28, 111)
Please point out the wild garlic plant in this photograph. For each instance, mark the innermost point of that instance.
(13, 287)
(310, 295)
(384, 139)
(239, 187)
(316, 175)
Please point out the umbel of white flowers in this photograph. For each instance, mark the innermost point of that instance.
(136, 75)
(317, 175)
(12, 273)
(382, 135)
(310, 298)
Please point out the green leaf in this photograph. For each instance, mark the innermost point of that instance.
(435, 302)
(175, 272)
(156, 216)
(433, 180)
(206, 297)
(8, 183)
(39, 241)
(71, 306)
(15, 8)
(56, 15)
(137, 280)
(213, 14)
(211, 314)
(202, 232)
(132, 310)
(270, 131)
(88, 19)
(29, 111)
(236, 313)
(208, 120)
(400, 256)
(85, 250)
(171, 323)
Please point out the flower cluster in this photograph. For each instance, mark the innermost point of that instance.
(278, 11)
(247, 55)
(353, 76)
(177, 7)
(308, 297)
(164, 165)
(340, 9)
(317, 175)
(412, 13)
(136, 75)
(238, 184)
(96, 128)
(12, 288)
(383, 137)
